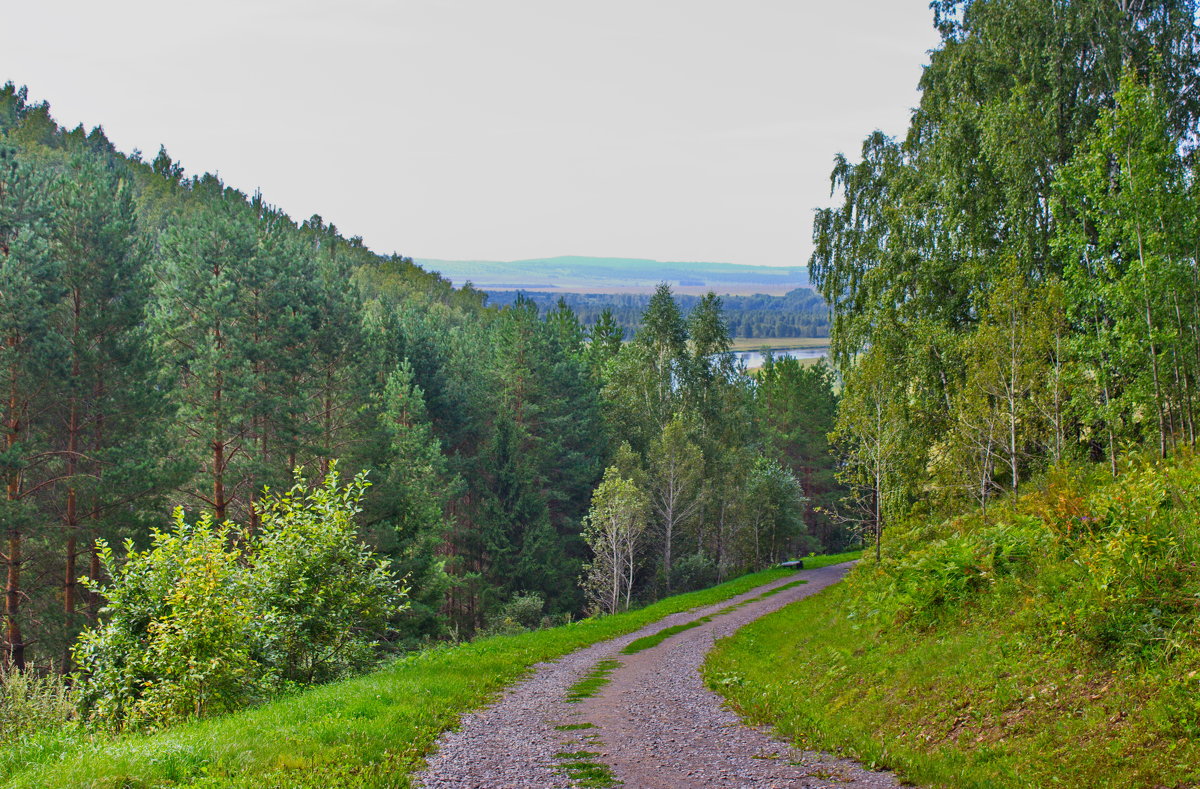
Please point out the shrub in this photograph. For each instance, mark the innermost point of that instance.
(178, 631)
(1134, 592)
(208, 618)
(324, 598)
(522, 612)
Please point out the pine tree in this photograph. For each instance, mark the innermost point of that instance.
(33, 364)
(604, 342)
(108, 410)
(204, 335)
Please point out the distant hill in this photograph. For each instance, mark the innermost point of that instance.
(577, 274)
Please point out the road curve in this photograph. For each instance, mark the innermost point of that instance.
(655, 725)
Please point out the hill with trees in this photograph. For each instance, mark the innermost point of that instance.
(172, 342)
(579, 274)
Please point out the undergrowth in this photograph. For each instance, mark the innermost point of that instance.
(1052, 642)
(32, 702)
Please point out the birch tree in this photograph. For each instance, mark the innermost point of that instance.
(613, 529)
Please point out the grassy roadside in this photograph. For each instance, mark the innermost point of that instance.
(816, 562)
(372, 731)
(1037, 649)
(967, 707)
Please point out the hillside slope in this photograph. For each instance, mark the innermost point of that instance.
(1052, 643)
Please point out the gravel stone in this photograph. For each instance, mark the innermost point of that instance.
(656, 724)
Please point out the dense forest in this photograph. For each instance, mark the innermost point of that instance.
(799, 313)
(170, 341)
(1014, 284)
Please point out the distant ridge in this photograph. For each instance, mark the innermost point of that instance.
(579, 274)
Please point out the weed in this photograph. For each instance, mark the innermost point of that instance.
(653, 640)
(778, 589)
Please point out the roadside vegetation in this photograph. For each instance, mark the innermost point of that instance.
(370, 731)
(1052, 642)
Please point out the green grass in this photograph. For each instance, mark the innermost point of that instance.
(654, 639)
(589, 774)
(777, 590)
(967, 706)
(591, 683)
(372, 731)
(575, 726)
(980, 654)
(817, 562)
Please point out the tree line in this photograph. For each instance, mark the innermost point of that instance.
(1014, 283)
(798, 313)
(168, 340)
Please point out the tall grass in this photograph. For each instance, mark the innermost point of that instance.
(31, 703)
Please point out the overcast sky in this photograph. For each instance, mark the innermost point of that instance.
(479, 129)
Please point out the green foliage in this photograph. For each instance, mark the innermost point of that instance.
(323, 598)
(798, 406)
(523, 612)
(613, 528)
(179, 629)
(209, 618)
(799, 313)
(1134, 585)
(1013, 284)
(693, 571)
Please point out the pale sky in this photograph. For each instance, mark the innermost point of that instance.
(477, 129)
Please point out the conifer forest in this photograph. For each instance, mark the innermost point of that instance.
(172, 342)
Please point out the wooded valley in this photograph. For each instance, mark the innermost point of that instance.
(170, 341)
(1012, 293)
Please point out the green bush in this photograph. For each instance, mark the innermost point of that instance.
(1136, 594)
(178, 632)
(693, 571)
(209, 619)
(523, 612)
(324, 599)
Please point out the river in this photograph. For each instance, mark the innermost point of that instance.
(753, 359)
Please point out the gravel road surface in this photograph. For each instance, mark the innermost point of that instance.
(654, 726)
